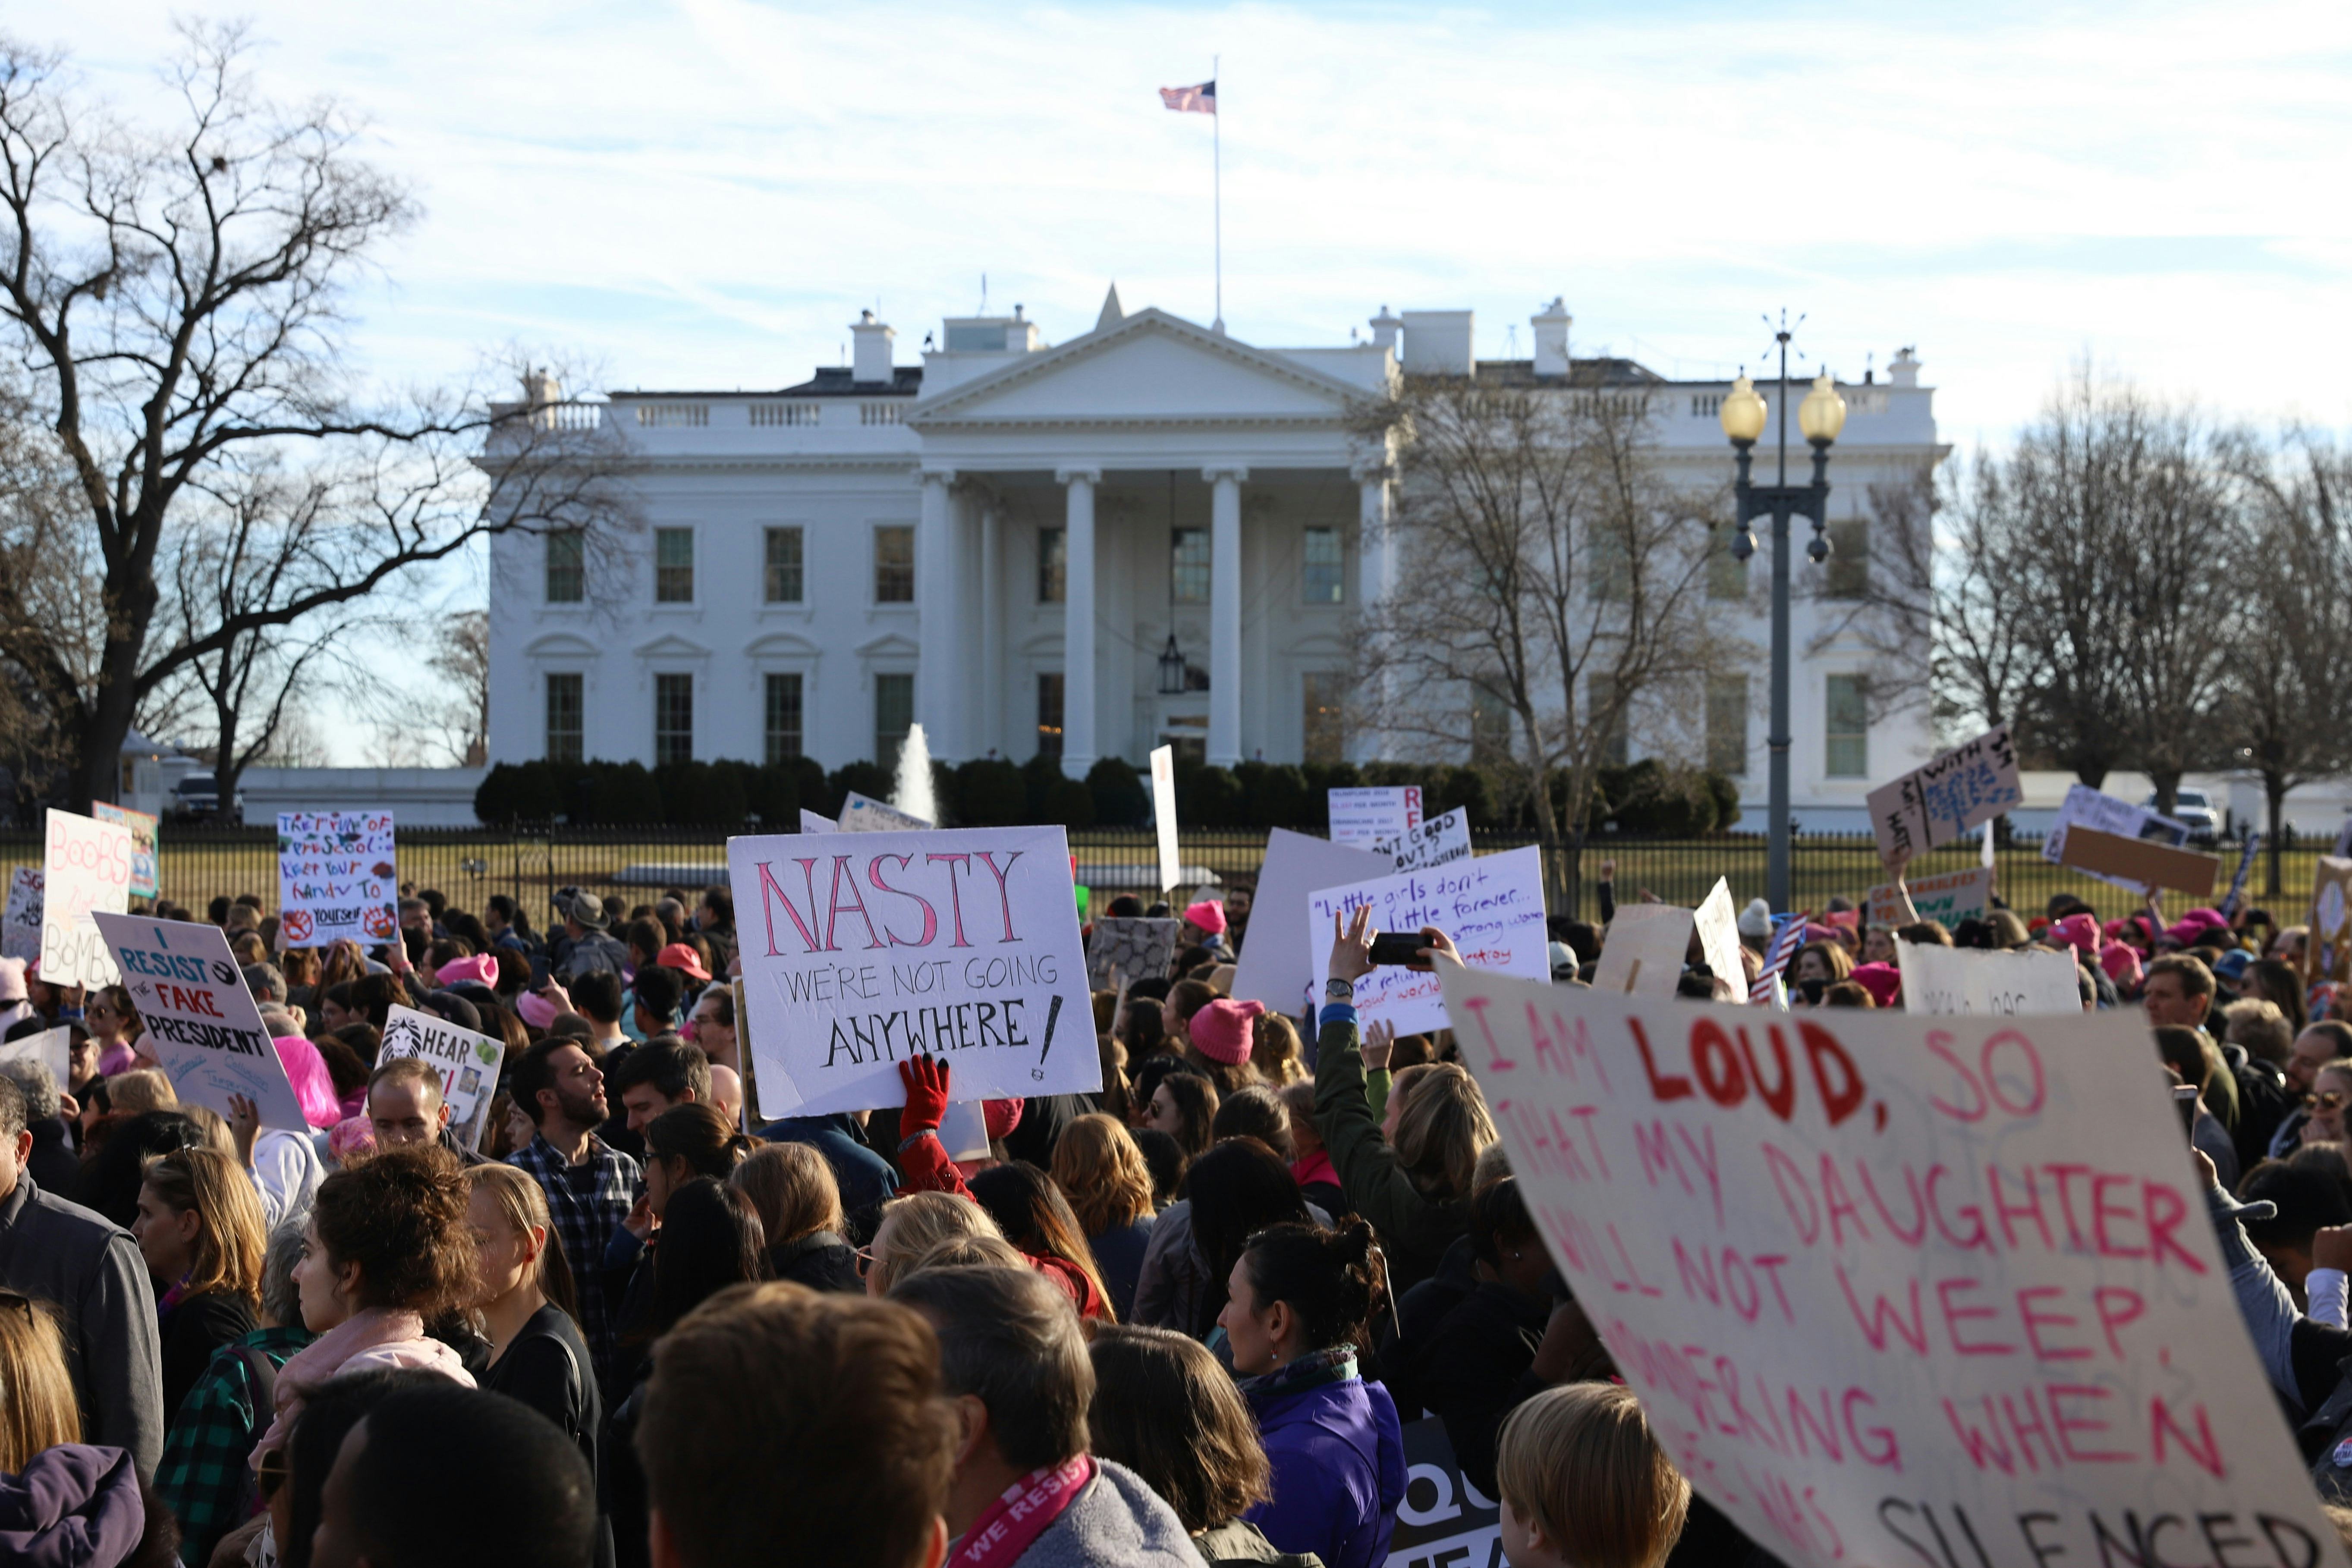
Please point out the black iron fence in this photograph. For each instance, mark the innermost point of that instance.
(198, 864)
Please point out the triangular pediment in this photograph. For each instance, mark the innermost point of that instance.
(671, 646)
(1149, 366)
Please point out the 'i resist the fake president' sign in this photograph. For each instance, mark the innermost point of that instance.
(861, 950)
(1922, 1290)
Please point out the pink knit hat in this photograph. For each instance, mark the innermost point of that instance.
(1209, 915)
(1222, 1030)
(1882, 981)
(313, 1085)
(2080, 932)
(538, 1011)
(481, 966)
(2121, 962)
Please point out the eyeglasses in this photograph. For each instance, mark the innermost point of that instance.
(271, 1473)
(865, 1261)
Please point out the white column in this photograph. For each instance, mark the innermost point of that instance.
(1224, 614)
(1078, 621)
(991, 629)
(936, 607)
(1375, 567)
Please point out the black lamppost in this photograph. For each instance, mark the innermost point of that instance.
(1820, 417)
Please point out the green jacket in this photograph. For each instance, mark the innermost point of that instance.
(1414, 1230)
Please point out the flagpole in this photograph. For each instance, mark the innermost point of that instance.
(1217, 188)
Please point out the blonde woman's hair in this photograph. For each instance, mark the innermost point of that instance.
(963, 1252)
(214, 1127)
(36, 1396)
(1443, 1129)
(921, 1220)
(1579, 1463)
(142, 1089)
(522, 1202)
(1101, 1172)
(225, 1258)
(793, 1187)
(1274, 1049)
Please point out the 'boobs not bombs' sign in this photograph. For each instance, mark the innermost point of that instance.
(1933, 1290)
(860, 951)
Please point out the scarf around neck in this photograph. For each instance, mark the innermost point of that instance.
(1315, 1368)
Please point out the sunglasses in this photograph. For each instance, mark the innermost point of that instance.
(271, 1473)
(865, 1261)
(2325, 1099)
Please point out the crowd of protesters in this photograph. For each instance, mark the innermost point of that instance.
(1182, 1320)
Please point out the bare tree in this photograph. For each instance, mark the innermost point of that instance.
(442, 723)
(2288, 704)
(1559, 587)
(1890, 601)
(173, 299)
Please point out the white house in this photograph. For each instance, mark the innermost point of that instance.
(1152, 533)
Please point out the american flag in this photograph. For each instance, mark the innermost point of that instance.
(1200, 100)
(1787, 935)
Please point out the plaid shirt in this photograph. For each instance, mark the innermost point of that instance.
(203, 1477)
(586, 1225)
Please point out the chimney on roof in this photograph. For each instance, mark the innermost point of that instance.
(1385, 329)
(870, 362)
(1551, 337)
(1904, 370)
(1439, 342)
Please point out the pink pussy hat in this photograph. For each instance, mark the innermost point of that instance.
(1222, 1030)
(1209, 915)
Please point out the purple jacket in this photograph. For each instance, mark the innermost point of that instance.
(1338, 1454)
(74, 1507)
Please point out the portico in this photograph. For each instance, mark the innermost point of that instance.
(1170, 490)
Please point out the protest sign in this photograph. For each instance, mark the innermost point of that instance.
(53, 1049)
(86, 870)
(1717, 924)
(1971, 783)
(2328, 951)
(20, 929)
(863, 814)
(2137, 863)
(143, 871)
(2086, 807)
(1492, 906)
(1444, 1521)
(467, 1063)
(1281, 965)
(1163, 814)
(1360, 818)
(1138, 947)
(1950, 897)
(1950, 982)
(1643, 951)
(199, 1019)
(858, 956)
(1884, 1281)
(1436, 841)
(2237, 894)
(812, 822)
(337, 878)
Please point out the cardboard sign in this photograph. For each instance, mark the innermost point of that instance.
(143, 865)
(1884, 1281)
(1163, 814)
(1950, 897)
(1717, 924)
(1444, 1521)
(53, 1049)
(1950, 982)
(337, 878)
(1642, 952)
(1138, 947)
(863, 814)
(20, 929)
(199, 1019)
(961, 944)
(1362, 818)
(2086, 807)
(1971, 783)
(467, 1063)
(1436, 841)
(86, 870)
(2328, 948)
(1280, 964)
(1493, 908)
(2137, 863)
(812, 822)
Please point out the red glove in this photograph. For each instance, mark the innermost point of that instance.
(926, 1078)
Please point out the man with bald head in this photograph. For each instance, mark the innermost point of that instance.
(405, 1107)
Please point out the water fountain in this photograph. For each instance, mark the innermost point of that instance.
(912, 792)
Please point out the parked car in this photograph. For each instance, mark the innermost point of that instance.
(196, 798)
(2195, 807)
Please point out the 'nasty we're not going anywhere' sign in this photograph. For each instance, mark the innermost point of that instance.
(860, 951)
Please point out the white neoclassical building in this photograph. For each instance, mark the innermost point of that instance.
(1152, 533)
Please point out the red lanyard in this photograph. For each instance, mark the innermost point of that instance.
(1013, 1522)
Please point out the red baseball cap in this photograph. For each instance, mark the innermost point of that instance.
(678, 955)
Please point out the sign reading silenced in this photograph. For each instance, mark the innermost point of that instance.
(866, 950)
(1889, 1285)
